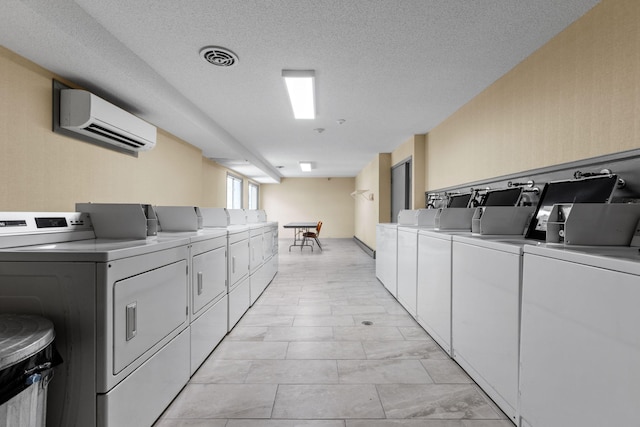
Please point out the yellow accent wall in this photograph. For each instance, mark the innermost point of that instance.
(577, 97)
(376, 178)
(310, 200)
(44, 171)
(214, 187)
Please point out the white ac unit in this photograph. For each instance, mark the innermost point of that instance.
(90, 115)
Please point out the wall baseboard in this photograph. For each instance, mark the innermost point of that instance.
(369, 251)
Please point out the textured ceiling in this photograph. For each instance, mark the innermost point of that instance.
(389, 68)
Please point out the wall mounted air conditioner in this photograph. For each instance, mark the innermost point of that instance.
(90, 115)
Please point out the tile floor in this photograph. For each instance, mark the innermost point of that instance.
(301, 356)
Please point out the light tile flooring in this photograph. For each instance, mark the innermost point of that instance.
(302, 356)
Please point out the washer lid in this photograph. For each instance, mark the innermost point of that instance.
(22, 336)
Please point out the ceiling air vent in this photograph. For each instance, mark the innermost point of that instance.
(219, 56)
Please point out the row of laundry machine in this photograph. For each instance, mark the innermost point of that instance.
(139, 296)
(535, 303)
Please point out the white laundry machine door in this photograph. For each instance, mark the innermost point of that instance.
(146, 308)
(256, 252)
(208, 277)
(580, 351)
(238, 258)
(267, 243)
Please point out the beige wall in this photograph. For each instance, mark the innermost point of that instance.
(576, 97)
(375, 177)
(418, 171)
(312, 199)
(44, 171)
(214, 184)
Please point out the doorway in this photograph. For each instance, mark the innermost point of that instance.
(400, 188)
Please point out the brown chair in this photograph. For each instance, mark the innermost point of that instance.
(313, 235)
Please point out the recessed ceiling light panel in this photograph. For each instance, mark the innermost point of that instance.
(306, 166)
(219, 56)
(301, 88)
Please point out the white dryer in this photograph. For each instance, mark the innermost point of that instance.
(263, 251)
(257, 278)
(580, 347)
(270, 247)
(208, 299)
(234, 222)
(119, 308)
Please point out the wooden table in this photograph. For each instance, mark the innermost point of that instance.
(300, 228)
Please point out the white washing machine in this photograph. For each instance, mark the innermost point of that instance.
(234, 222)
(119, 308)
(435, 248)
(485, 327)
(407, 282)
(487, 291)
(434, 296)
(208, 299)
(580, 346)
(399, 259)
(433, 300)
(413, 267)
(387, 256)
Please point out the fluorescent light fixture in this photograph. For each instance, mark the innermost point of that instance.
(301, 88)
(306, 166)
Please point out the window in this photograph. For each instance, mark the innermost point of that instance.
(254, 191)
(234, 192)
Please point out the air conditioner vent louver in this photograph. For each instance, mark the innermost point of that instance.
(99, 130)
(219, 56)
(85, 113)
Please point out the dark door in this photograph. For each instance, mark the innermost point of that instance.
(400, 188)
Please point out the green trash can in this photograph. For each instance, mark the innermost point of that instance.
(27, 359)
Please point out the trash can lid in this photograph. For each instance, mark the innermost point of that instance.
(22, 336)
